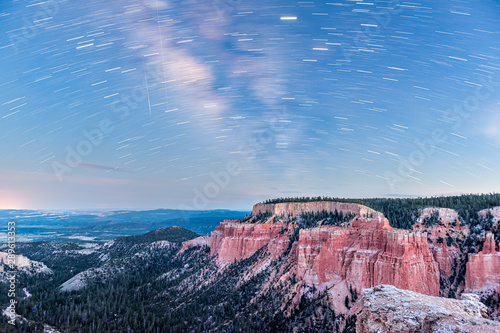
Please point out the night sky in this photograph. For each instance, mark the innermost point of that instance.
(224, 103)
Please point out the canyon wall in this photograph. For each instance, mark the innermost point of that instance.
(447, 228)
(367, 253)
(235, 240)
(361, 254)
(483, 268)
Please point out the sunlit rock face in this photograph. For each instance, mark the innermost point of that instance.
(367, 253)
(483, 268)
(363, 253)
(234, 240)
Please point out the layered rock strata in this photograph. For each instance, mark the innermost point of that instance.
(483, 268)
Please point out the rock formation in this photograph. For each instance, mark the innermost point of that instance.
(360, 254)
(387, 309)
(445, 232)
(483, 268)
(367, 253)
(294, 209)
(445, 256)
(235, 240)
(23, 264)
(199, 241)
(494, 212)
(363, 254)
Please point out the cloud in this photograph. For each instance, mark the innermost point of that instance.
(187, 79)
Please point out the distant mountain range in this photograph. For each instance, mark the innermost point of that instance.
(100, 226)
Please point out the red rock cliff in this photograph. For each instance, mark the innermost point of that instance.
(366, 254)
(237, 240)
(483, 269)
(234, 239)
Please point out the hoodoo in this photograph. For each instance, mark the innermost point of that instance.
(367, 253)
(363, 253)
(483, 268)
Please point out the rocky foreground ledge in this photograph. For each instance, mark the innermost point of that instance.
(388, 309)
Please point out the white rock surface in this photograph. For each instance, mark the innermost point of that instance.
(23, 264)
(386, 309)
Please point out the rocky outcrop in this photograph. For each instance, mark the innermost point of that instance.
(23, 264)
(294, 209)
(388, 309)
(446, 257)
(445, 215)
(199, 241)
(483, 268)
(367, 253)
(444, 231)
(236, 240)
(493, 212)
(489, 246)
(362, 254)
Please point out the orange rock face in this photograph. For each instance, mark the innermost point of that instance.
(366, 254)
(234, 240)
(483, 269)
(445, 256)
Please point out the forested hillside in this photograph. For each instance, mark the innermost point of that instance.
(402, 212)
(153, 283)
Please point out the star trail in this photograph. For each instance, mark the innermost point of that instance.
(220, 104)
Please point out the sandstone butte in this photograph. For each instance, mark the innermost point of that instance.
(483, 268)
(296, 208)
(365, 253)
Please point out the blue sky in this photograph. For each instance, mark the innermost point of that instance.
(220, 104)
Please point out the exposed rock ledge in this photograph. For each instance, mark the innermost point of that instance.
(296, 208)
(386, 309)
